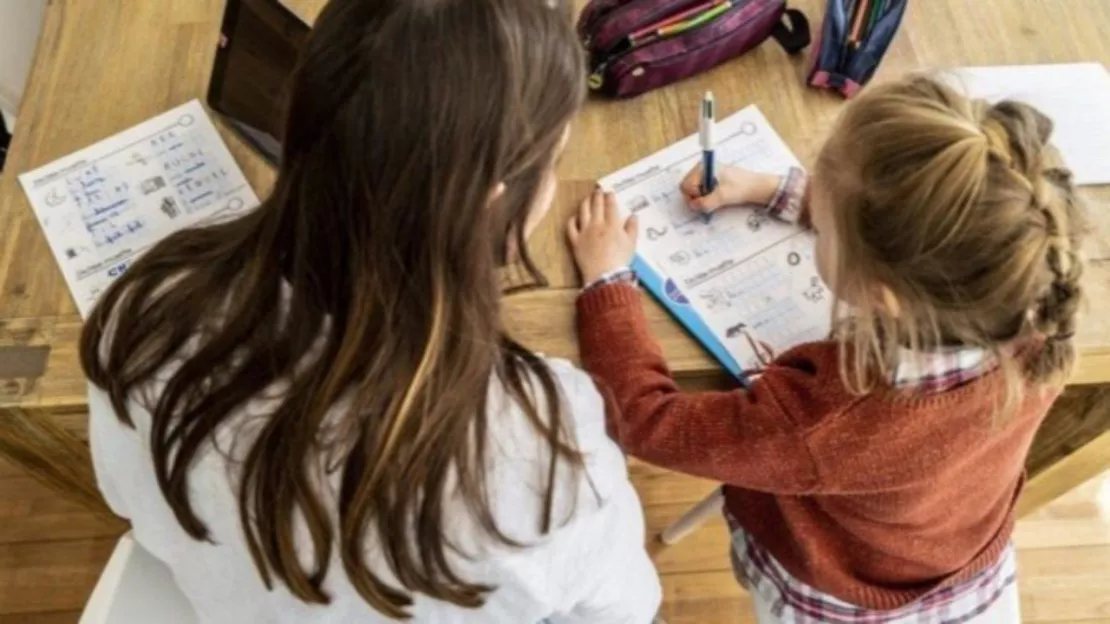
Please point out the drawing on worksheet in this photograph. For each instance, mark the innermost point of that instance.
(750, 279)
(103, 206)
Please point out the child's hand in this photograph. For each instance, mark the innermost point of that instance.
(599, 238)
(735, 186)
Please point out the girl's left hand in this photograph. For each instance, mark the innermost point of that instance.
(599, 238)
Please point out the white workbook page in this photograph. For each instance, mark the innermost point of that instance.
(105, 205)
(751, 279)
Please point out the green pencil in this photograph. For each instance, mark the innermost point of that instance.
(876, 13)
(694, 22)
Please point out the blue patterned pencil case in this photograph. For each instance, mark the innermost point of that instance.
(844, 63)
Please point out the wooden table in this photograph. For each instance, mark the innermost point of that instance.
(104, 65)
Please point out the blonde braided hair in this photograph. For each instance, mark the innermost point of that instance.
(1017, 139)
(958, 208)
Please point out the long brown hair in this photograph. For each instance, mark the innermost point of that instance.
(367, 280)
(962, 210)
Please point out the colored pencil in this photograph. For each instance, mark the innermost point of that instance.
(678, 17)
(876, 14)
(849, 11)
(858, 21)
(708, 16)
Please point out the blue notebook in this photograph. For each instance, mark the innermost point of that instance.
(742, 284)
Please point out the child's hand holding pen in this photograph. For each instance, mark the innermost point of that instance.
(735, 186)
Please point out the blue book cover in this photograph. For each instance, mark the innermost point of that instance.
(672, 298)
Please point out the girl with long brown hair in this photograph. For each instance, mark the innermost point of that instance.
(873, 476)
(313, 413)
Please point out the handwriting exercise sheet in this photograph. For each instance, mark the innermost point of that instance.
(750, 278)
(103, 206)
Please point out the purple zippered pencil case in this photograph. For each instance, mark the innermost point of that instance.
(636, 46)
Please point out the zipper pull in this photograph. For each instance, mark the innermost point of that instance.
(597, 76)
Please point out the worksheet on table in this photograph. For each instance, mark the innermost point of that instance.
(105, 205)
(750, 278)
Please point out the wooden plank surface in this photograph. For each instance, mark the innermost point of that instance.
(1064, 557)
(34, 511)
(48, 569)
(52, 617)
(50, 575)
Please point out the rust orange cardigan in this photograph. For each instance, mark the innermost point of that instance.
(874, 499)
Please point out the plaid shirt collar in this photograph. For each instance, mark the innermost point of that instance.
(941, 370)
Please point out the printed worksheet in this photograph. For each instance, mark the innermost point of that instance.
(105, 205)
(751, 279)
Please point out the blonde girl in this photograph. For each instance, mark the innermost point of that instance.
(872, 477)
(313, 414)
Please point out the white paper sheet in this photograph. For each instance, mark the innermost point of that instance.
(103, 206)
(1076, 97)
(750, 278)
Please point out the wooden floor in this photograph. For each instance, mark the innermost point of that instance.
(51, 553)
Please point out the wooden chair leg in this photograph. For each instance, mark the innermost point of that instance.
(694, 518)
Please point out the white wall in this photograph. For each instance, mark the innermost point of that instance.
(20, 24)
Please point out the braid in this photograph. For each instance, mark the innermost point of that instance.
(1054, 208)
(1057, 309)
(1055, 316)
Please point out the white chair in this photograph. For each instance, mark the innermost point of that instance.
(136, 588)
